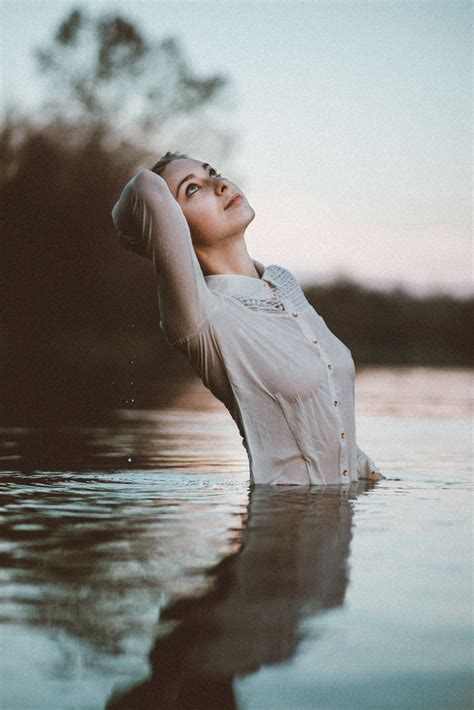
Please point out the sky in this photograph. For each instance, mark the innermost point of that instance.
(354, 124)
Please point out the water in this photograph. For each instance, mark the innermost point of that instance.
(165, 582)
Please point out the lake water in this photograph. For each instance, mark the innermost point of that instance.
(141, 571)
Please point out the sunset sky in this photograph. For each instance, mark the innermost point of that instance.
(354, 122)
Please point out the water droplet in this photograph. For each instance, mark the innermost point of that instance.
(129, 459)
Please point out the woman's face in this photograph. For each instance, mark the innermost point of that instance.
(213, 207)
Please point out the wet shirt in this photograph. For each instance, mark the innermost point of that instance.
(259, 347)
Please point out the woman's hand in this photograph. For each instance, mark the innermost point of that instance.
(375, 476)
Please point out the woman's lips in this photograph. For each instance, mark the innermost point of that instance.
(234, 200)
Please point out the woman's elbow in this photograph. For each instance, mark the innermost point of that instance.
(146, 184)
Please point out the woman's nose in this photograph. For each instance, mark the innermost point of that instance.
(221, 185)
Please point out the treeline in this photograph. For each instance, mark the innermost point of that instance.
(395, 327)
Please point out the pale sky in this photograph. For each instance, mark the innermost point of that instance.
(354, 122)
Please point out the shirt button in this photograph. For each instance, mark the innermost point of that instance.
(345, 472)
(294, 314)
(314, 340)
(336, 402)
(329, 366)
(342, 434)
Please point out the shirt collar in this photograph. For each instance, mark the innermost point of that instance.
(232, 283)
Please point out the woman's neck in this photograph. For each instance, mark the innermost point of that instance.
(226, 258)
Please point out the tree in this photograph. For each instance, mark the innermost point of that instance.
(104, 71)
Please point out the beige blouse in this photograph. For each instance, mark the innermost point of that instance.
(257, 345)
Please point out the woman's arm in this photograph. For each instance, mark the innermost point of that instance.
(150, 221)
(366, 469)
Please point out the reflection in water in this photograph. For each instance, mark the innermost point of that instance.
(190, 429)
(292, 563)
(94, 556)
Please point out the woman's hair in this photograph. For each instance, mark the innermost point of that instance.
(165, 159)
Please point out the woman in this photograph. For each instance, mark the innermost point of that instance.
(247, 330)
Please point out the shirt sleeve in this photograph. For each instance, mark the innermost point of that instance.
(365, 465)
(150, 221)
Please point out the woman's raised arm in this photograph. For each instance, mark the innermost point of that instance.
(150, 221)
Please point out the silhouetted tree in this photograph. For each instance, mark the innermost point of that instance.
(104, 71)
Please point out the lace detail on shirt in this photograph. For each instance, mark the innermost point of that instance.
(287, 288)
(268, 305)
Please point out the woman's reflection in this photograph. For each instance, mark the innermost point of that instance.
(292, 564)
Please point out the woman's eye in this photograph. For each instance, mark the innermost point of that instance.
(192, 187)
(190, 191)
